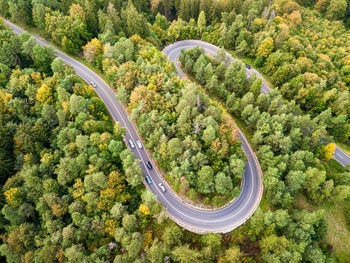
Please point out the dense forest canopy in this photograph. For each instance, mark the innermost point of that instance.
(304, 52)
(72, 192)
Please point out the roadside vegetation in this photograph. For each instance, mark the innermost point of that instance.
(318, 180)
(72, 193)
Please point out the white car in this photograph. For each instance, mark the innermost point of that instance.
(161, 186)
(93, 84)
(132, 145)
(139, 144)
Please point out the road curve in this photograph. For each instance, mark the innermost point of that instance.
(195, 220)
(173, 51)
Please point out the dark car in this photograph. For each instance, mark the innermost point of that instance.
(149, 165)
(248, 66)
(148, 179)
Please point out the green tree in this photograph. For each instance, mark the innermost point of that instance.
(156, 252)
(212, 240)
(129, 222)
(336, 9)
(209, 134)
(273, 244)
(57, 65)
(184, 254)
(172, 235)
(201, 22)
(135, 23)
(174, 148)
(255, 88)
(205, 180)
(232, 255)
(223, 184)
(131, 166)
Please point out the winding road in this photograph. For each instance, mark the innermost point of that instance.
(200, 221)
(173, 51)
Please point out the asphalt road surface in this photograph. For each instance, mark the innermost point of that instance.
(173, 51)
(195, 220)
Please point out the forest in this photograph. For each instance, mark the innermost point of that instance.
(72, 192)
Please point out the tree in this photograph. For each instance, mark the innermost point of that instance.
(135, 23)
(237, 166)
(148, 198)
(273, 244)
(129, 222)
(78, 104)
(28, 45)
(232, 255)
(117, 211)
(266, 47)
(255, 88)
(4, 8)
(174, 148)
(172, 235)
(156, 252)
(295, 179)
(43, 57)
(131, 166)
(205, 180)
(184, 254)
(212, 240)
(341, 193)
(328, 151)
(57, 65)
(144, 209)
(221, 70)
(209, 134)
(92, 50)
(118, 131)
(336, 9)
(122, 95)
(223, 184)
(201, 21)
(222, 57)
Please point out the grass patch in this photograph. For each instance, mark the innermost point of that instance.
(338, 233)
(265, 204)
(334, 167)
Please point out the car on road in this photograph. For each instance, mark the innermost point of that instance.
(148, 179)
(139, 144)
(93, 84)
(248, 66)
(149, 165)
(161, 186)
(132, 145)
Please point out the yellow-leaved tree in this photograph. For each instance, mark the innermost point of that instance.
(44, 94)
(13, 197)
(266, 47)
(328, 151)
(92, 49)
(144, 209)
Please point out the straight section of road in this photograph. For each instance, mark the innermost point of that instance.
(173, 52)
(218, 221)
